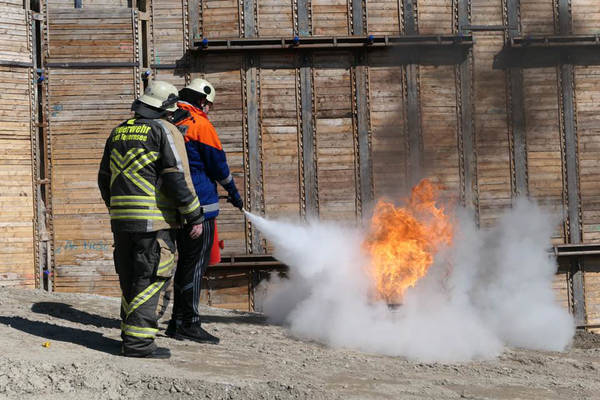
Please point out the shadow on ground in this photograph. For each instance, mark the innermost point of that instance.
(68, 313)
(90, 339)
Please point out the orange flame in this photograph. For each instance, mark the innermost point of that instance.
(404, 240)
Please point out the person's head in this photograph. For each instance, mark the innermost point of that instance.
(199, 93)
(158, 101)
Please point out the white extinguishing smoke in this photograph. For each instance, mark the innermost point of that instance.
(498, 292)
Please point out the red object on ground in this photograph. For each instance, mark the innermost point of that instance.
(215, 251)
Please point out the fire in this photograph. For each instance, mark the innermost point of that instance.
(404, 240)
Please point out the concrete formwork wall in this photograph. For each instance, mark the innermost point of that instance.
(484, 132)
(17, 225)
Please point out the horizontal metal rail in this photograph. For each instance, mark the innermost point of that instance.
(555, 41)
(331, 42)
(95, 64)
(10, 63)
(484, 28)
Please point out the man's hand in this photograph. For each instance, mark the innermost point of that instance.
(236, 200)
(196, 231)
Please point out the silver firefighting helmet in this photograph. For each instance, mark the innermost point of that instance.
(162, 95)
(203, 87)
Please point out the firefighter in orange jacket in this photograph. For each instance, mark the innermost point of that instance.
(208, 165)
(144, 181)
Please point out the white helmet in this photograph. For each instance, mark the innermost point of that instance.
(160, 94)
(203, 87)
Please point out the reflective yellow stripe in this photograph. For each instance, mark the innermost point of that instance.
(144, 296)
(166, 265)
(138, 331)
(131, 172)
(190, 207)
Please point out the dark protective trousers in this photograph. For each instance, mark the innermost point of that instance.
(144, 262)
(191, 266)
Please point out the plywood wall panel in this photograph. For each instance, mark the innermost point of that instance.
(88, 35)
(330, 18)
(281, 177)
(586, 16)
(388, 133)
(439, 128)
(17, 265)
(587, 84)
(80, 123)
(384, 17)
(335, 140)
(486, 12)
(537, 17)
(435, 16)
(168, 31)
(544, 154)
(275, 18)
(220, 19)
(493, 156)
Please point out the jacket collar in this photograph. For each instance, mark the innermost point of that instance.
(184, 105)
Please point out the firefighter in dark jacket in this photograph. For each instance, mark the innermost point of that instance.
(145, 182)
(208, 165)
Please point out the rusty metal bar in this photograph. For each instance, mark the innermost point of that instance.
(9, 63)
(465, 110)
(555, 41)
(343, 42)
(567, 93)
(101, 64)
(308, 137)
(520, 186)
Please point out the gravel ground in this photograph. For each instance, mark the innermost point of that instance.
(255, 360)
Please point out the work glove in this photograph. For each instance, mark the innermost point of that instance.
(236, 200)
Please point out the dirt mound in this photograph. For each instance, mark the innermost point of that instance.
(255, 360)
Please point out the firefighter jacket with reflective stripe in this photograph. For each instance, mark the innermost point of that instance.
(208, 162)
(144, 178)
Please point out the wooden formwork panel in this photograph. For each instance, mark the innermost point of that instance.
(17, 264)
(227, 290)
(493, 156)
(84, 107)
(440, 128)
(220, 18)
(14, 43)
(586, 16)
(335, 150)
(544, 144)
(560, 285)
(168, 31)
(487, 12)
(168, 76)
(280, 136)
(387, 114)
(275, 18)
(435, 16)
(537, 17)
(587, 87)
(88, 3)
(224, 72)
(330, 18)
(592, 290)
(383, 17)
(90, 35)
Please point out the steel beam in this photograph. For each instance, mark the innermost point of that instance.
(467, 130)
(311, 203)
(572, 171)
(304, 17)
(520, 186)
(413, 111)
(255, 195)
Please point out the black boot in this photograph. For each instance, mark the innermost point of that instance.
(158, 353)
(171, 328)
(193, 331)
